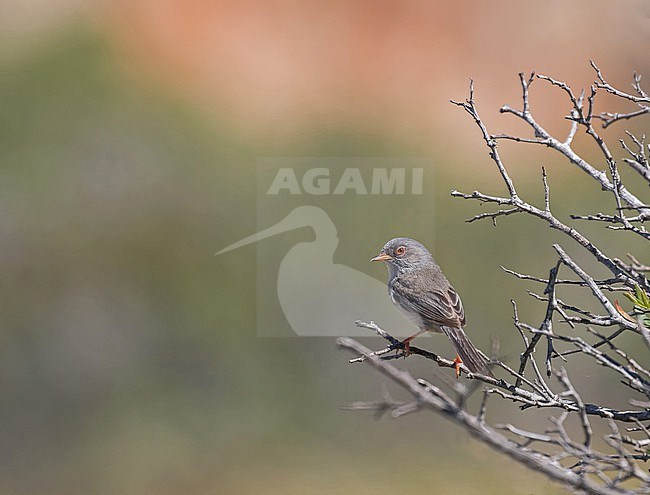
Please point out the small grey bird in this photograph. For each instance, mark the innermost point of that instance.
(425, 297)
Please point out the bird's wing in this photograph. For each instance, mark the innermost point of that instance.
(457, 305)
(438, 306)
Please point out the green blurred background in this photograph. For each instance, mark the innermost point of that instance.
(129, 356)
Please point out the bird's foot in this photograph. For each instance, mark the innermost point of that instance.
(457, 362)
(407, 343)
(407, 347)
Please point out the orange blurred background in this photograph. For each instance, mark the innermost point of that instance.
(285, 69)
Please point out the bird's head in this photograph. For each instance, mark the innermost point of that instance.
(404, 253)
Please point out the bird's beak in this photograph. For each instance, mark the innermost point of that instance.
(382, 257)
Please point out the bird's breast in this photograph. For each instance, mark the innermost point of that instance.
(406, 309)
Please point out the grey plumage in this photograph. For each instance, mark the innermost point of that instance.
(425, 297)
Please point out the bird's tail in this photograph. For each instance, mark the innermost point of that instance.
(467, 352)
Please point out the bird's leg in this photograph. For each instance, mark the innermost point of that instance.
(457, 362)
(407, 342)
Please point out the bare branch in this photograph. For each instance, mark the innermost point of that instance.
(516, 202)
(433, 398)
(603, 284)
(639, 159)
(602, 83)
(611, 118)
(616, 468)
(571, 391)
(591, 283)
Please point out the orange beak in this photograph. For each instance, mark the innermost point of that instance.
(382, 257)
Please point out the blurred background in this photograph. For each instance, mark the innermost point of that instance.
(130, 131)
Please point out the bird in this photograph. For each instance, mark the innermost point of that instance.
(318, 297)
(425, 297)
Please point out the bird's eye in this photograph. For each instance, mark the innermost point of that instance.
(400, 251)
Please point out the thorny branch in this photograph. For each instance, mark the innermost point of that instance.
(613, 464)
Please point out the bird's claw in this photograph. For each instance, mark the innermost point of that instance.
(457, 362)
(407, 348)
